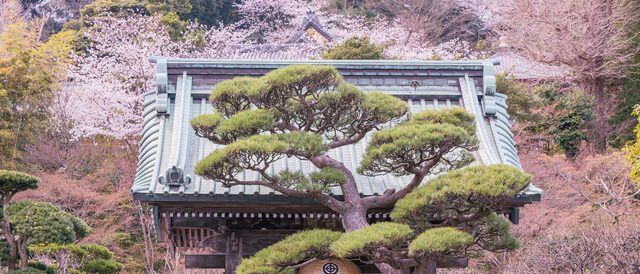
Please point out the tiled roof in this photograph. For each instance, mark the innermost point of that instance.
(184, 85)
(524, 69)
(277, 51)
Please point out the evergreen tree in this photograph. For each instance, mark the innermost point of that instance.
(308, 110)
(12, 182)
(355, 48)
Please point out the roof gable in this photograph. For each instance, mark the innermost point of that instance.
(310, 31)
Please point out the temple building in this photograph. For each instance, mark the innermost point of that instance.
(215, 227)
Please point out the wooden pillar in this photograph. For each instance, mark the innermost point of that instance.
(233, 254)
(169, 237)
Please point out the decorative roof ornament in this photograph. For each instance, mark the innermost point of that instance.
(310, 31)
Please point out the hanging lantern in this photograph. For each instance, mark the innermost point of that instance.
(330, 266)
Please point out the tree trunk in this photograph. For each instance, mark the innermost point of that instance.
(429, 267)
(595, 87)
(6, 231)
(355, 218)
(22, 249)
(13, 247)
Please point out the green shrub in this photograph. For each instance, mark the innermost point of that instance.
(41, 266)
(4, 251)
(520, 99)
(122, 239)
(355, 48)
(101, 266)
(28, 270)
(43, 222)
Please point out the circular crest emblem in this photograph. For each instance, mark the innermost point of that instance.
(330, 268)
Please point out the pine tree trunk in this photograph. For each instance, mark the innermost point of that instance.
(354, 219)
(428, 267)
(595, 87)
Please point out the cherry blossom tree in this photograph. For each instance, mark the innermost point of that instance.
(111, 76)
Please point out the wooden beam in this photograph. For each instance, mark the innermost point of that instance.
(204, 260)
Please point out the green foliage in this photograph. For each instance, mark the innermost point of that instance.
(255, 150)
(355, 48)
(521, 101)
(385, 106)
(122, 239)
(356, 7)
(246, 123)
(445, 240)
(301, 246)
(461, 192)
(122, 7)
(383, 234)
(319, 181)
(634, 149)
(328, 176)
(295, 81)
(101, 266)
(12, 182)
(74, 250)
(5, 250)
(231, 96)
(42, 222)
(400, 149)
(454, 116)
(492, 233)
(29, 71)
(175, 13)
(90, 258)
(577, 113)
(175, 26)
(628, 96)
(28, 270)
(41, 266)
(298, 105)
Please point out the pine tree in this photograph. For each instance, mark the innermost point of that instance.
(305, 110)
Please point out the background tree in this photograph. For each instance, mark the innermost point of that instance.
(591, 37)
(309, 110)
(355, 48)
(521, 100)
(450, 217)
(89, 258)
(12, 182)
(432, 20)
(41, 222)
(28, 74)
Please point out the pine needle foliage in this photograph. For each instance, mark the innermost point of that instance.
(492, 233)
(355, 48)
(383, 234)
(465, 191)
(398, 150)
(440, 240)
(298, 247)
(12, 182)
(42, 222)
